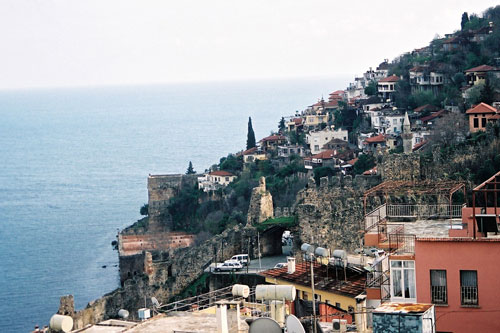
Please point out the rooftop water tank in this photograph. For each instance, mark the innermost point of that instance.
(60, 323)
(272, 292)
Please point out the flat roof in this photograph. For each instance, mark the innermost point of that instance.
(409, 308)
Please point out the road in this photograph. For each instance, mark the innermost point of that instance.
(254, 267)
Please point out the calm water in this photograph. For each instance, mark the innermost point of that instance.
(74, 165)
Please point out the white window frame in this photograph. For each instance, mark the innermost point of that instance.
(402, 269)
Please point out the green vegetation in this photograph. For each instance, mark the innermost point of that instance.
(144, 210)
(250, 135)
(364, 162)
(371, 88)
(284, 221)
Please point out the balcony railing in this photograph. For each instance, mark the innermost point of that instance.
(400, 243)
(425, 211)
(376, 216)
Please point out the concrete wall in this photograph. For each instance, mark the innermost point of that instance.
(455, 255)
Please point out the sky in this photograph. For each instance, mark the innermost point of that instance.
(64, 43)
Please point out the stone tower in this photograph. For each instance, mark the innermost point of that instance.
(407, 135)
(261, 204)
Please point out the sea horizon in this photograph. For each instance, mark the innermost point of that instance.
(77, 161)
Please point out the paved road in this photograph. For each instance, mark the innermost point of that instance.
(255, 266)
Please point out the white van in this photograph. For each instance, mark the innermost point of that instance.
(242, 259)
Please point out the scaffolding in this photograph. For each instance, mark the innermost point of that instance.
(421, 188)
(487, 219)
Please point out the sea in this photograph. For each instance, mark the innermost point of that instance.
(74, 164)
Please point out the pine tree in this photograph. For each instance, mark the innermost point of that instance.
(190, 170)
(487, 94)
(250, 135)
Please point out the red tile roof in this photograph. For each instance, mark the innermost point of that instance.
(353, 161)
(221, 173)
(434, 115)
(417, 69)
(297, 121)
(337, 92)
(325, 155)
(324, 278)
(419, 145)
(275, 137)
(426, 107)
(250, 151)
(482, 68)
(372, 171)
(494, 117)
(482, 108)
(392, 78)
(375, 139)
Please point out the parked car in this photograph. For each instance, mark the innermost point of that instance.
(373, 252)
(281, 265)
(229, 266)
(242, 259)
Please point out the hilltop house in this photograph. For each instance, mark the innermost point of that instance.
(317, 139)
(289, 150)
(480, 115)
(253, 154)
(477, 75)
(272, 142)
(425, 78)
(387, 87)
(295, 125)
(214, 180)
(374, 143)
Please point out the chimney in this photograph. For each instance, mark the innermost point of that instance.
(291, 265)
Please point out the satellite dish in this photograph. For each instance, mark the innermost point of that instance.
(293, 325)
(155, 302)
(267, 325)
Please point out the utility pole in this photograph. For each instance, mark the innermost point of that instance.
(313, 295)
(258, 245)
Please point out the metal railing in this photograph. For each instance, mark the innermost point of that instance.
(438, 295)
(468, 295)
(376, 216)
(400, 243)
(425, 211)
(203, 301)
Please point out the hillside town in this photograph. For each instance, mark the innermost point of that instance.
(385, 195)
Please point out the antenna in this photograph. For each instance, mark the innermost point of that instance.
(155, 302)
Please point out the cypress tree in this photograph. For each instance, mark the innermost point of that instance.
(190, 170)
(465, 19)
(250, 135)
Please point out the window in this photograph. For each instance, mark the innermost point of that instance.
(476, 122)
(438, 287)
(468, 288)
(316, 147)
(337, 304)
(483, 122)
(317, 298)
(403, 279)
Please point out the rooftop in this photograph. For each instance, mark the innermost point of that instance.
(482, 68)
(403, 308)
(221, 173)
(324, 278)
(481, 108)
(392, 78)
(375, 139)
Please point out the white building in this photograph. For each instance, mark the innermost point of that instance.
(317, 139)
(214, 180)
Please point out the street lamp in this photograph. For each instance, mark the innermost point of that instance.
(311, 252)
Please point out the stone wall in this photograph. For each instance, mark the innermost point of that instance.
(135, 265)
(166, 274)
(161, 188)
(330, 215)
(261, 204)
(401, 167)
